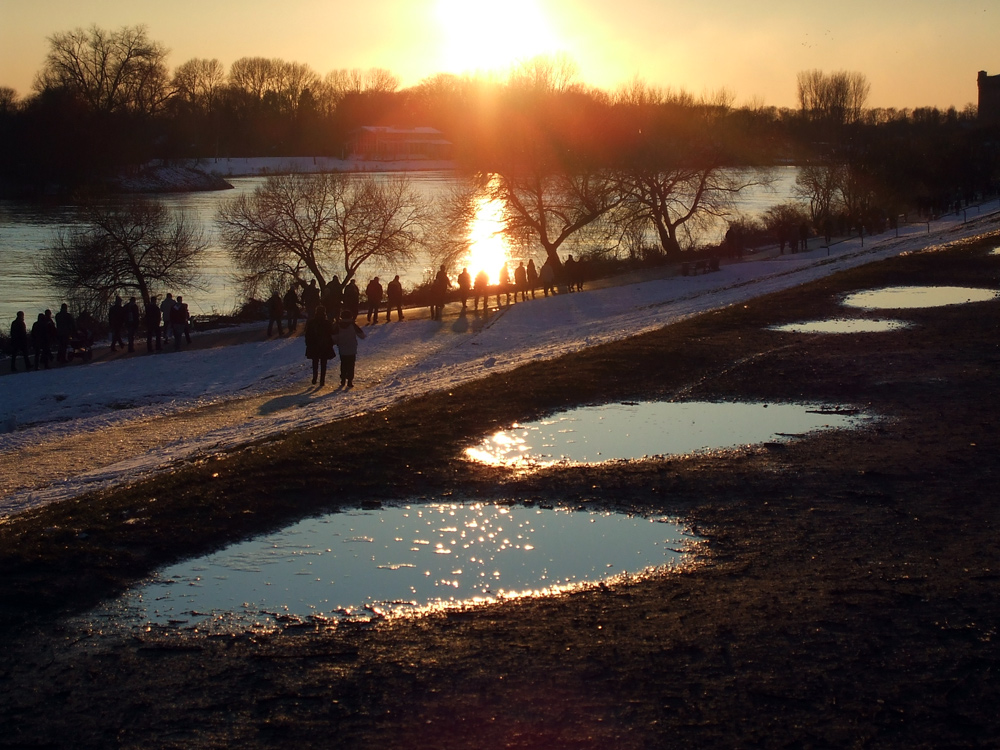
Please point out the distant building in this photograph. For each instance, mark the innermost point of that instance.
(381, 143)
(989, 98)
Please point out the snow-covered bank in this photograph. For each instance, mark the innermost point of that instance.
(163, 178)
(225, 397)
(264, 165)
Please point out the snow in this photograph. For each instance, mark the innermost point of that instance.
(150, 413)
(264, 165)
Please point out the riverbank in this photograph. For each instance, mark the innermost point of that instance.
(845, 595)
(266, 165)
(81, 428)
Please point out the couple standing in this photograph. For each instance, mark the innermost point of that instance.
(321, 335)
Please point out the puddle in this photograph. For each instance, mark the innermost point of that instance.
(360, 564)
(639, 430)
(843, 325)
(909, 297)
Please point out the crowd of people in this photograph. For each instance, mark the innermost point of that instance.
(73, 337)
(331, 310)
(339, 305)
(286, 310)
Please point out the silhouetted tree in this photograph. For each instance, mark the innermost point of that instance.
(124, 248)
(677, 172)
(321, 224)
(838, 98)
(112, 71)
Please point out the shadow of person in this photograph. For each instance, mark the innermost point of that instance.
(289, 401)
(461, 324)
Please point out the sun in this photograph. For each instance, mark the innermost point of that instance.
(492, 36)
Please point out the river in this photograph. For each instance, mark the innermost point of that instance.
(28, 228)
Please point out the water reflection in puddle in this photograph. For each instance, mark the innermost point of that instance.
(843, 325)
(901, 297)
(398, 559)
(638, 430)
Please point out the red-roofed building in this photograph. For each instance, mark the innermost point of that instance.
(383, 143)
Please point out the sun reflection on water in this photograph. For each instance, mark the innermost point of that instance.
(403, 560)
(489, 247)
(632, 430)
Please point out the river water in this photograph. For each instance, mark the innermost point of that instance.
(27, 229)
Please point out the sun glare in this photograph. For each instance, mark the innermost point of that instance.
(488, 248)
(492, 36)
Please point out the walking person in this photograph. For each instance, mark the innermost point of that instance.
(310, 297)
(333, 297)
(351, 301)
(65, 328)
(275, 309)
(177, 321)
(504, 286)
(291, 305)
(319, 343)
(548, 277)
(53, 332)
(116, 320)
(532, 274)
(19, 341)
(165, 307)
(347, 334)
(481, 288)
(185, 317)
(40, 341)
(373, 293)
(521, 282)
(131, 322)
(464, 286)
(394, 294)
(569, 273)
(151, 317)
(439, 291)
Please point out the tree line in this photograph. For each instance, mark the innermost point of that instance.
(105, 100)
(568, 163)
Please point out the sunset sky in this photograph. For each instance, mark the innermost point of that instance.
(914, 52)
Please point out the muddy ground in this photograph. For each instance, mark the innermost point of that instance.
(847, 595)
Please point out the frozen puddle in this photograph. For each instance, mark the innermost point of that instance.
(910, 297)
(397, 560)
(843, 325)
(657, 428)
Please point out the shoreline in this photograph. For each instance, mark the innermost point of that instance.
(271, 398)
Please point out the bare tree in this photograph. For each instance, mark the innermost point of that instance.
(253, 76)
(320, 223)
(547, 206)
(549, 74)
(126, 248)
(199, 82)
(838, 98)
(819, 185)
(338, 84)
(277, 82)
(8, 100)
(683, 196)
(112, 71)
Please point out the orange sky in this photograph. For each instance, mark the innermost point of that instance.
(915, 53)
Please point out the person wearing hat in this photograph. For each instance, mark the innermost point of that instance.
(347, 334)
